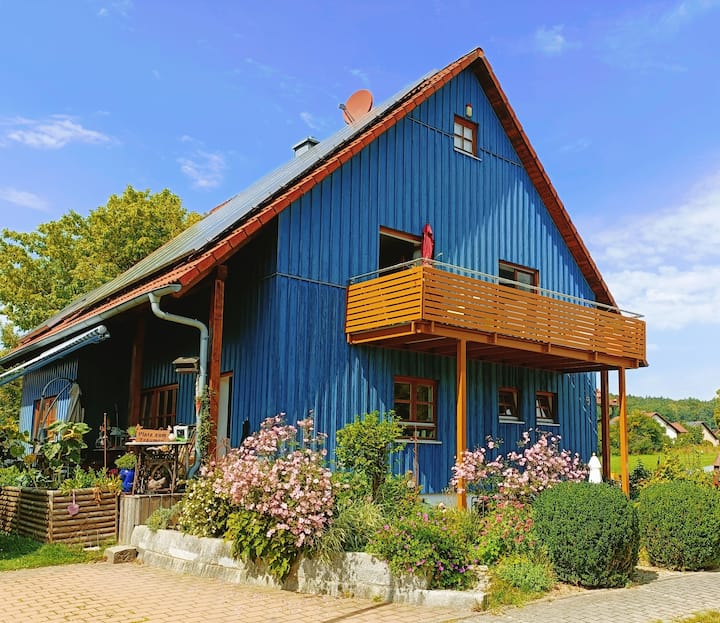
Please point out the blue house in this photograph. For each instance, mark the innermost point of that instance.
(418, 260)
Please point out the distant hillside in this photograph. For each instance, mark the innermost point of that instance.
(685, 410)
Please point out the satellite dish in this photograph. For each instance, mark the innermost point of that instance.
(357, 105)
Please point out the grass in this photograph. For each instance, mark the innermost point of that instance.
(18, 552)
(712, 616)
(691, 457)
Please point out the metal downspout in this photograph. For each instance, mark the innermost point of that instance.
(201, 381)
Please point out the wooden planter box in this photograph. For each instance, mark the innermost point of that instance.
(42, 514)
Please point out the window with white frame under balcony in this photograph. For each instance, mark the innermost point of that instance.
(509, 405)
(545, 408)
(415, 407)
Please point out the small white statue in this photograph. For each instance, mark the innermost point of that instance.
(595, 474)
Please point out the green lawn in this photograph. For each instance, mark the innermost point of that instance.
(691, 458)
(18, 552)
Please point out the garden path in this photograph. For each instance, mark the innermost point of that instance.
(133, 593)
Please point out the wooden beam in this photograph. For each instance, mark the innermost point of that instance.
(136, 366)
(624, 467)
(461, 414)
(605, 424)
(217, 305)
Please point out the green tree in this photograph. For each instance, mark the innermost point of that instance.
(716, 409)
(645, 435)
(10, 393)
(43, 271)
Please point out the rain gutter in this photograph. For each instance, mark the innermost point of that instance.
(201, 380)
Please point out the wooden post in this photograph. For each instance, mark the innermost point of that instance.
(605, 424)
(217, 307)
(624, 467)
(136, 366)
(461, 414)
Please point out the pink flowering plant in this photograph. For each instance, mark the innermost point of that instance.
(518, 475)
(429, 543)
(279, 482)
(505, 531)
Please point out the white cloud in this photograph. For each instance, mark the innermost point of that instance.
(312, 121)
(205, 169)
(362, 75)
(52, 133)
(667, 265)
(641, 40)
(23, 199)
(551, 41)
(119, 7)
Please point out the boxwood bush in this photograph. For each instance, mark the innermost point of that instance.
(680, 525)
(590, 532)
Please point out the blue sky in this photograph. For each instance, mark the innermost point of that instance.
(620, 100)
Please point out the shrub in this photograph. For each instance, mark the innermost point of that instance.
(364, 447)
(680, 525)
(505, 531)
(590, 532)
(355, 523)
(281, 479)
(517, 579)
(426, 543)
(250, 533)
(164, 518)
(203, 511)
(517, 475)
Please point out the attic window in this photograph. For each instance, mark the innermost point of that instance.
(465, 136)
(397, 247)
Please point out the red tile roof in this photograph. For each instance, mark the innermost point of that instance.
(192, 270)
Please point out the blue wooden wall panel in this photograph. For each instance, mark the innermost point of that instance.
(35, 382)
(284, 324)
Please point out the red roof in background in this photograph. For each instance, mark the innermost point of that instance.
(192, 270)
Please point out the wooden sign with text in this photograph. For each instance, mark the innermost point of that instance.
(155, 435)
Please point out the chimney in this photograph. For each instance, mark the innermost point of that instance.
(305, 145)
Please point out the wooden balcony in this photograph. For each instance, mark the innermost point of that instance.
(430, 307)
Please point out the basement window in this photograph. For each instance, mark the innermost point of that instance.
(415, 406)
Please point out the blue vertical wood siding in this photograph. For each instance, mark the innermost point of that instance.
(35, 382)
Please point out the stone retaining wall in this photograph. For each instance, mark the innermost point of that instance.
(353, 574)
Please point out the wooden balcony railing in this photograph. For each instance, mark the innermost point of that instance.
(433, 300)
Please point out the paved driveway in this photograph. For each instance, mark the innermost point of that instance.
(133, 593)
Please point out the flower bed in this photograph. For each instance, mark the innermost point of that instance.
(353, 574)
(47, 515)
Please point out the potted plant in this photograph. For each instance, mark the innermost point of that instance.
(126, 463)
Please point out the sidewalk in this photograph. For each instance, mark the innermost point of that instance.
(133, 593)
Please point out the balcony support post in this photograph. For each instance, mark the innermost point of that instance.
(605, 424)
(461, 414)
(624, 471)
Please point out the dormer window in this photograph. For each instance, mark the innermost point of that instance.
(465, 136)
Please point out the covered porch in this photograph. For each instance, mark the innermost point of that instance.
(437, 308)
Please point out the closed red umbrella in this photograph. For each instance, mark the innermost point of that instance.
(428, 243)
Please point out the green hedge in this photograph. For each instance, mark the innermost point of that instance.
(590, 532)
(680, 525)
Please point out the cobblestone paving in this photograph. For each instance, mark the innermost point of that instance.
(133, 593)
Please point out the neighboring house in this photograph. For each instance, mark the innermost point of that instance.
(707, 432)
(672, 429)
(318, 290)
